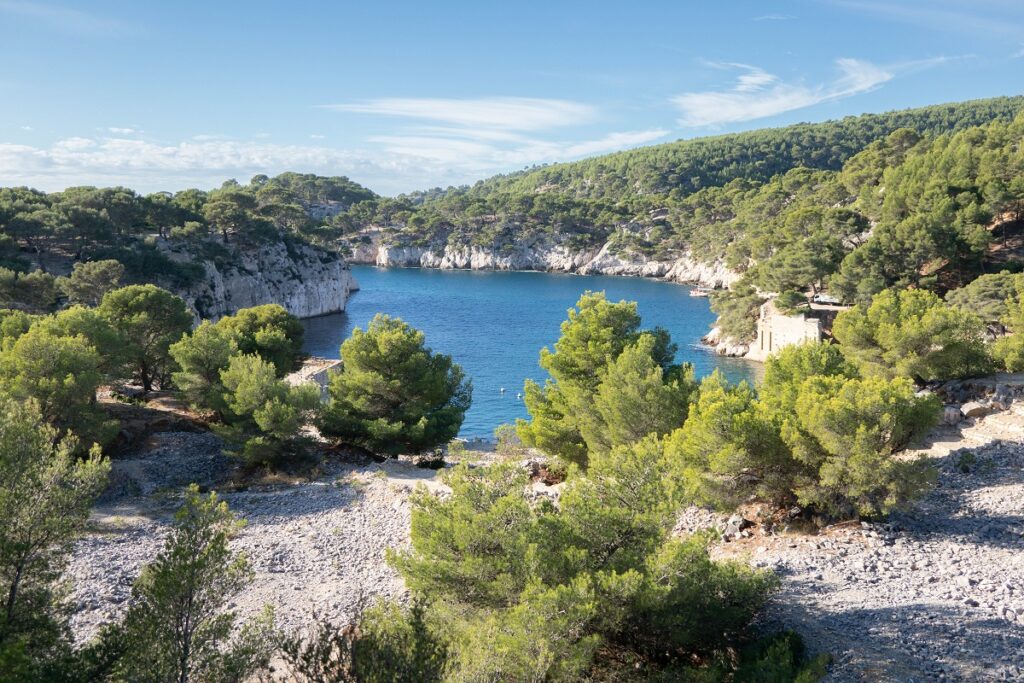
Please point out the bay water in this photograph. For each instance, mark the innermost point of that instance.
(495, 323)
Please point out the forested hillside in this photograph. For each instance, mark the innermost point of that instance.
(43, 234)
(851, 206)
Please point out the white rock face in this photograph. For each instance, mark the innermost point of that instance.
(545, 256)
(305, 280)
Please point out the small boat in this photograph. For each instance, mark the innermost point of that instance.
(700, 291)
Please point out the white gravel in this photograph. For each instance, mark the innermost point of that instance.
(935, 594)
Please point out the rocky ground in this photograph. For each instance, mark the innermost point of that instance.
(937, 593)
(317, 547)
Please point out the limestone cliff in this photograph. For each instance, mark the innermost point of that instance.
(547, 256)
(305, 280)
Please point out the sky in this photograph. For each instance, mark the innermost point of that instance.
(401, 96)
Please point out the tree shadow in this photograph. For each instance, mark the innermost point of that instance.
(903, 643)
(961, 474)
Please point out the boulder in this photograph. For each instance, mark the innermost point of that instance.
(974, 409)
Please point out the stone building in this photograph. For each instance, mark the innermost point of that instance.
(776, 330)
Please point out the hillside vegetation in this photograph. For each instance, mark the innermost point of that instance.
(43, 235)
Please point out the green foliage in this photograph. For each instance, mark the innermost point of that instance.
(730, 448)
(202, 356)
(386, 643)
(635, 397)
(846, 431)
(46, 493)
(178, 627)
(987, 297)
(268, 331)
(818, 435)
(91, 280)
(1009, 350)
(264, 414)
(737, 311)
(87, 323)
(594, 336)
(61, 374)
(780, 658)
(534, 591)
(911, 333)
(149, 320)
(393, 394)
(35, 291)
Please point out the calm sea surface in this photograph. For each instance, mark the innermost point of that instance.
(495, 323)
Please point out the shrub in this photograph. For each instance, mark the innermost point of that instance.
(542, 592)
(46, 493)
(393, 394)
(912, 333)
(847, 430)
(264, 415)
(270, 332)
(177, 627)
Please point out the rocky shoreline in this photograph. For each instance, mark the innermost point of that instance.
(544, 256)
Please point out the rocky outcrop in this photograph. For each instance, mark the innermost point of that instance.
(545, 256)
(305, 280)
(724, 346)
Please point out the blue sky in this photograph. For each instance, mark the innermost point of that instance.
(410, 95)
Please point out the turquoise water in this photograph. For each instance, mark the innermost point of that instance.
(495, 323)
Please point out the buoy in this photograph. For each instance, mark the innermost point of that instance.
(502, 390)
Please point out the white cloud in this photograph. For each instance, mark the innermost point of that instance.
(773, 17)
(315, 136)
(122, 131)
(503, 113)
(403, 164)
(1018, 54)
(759, 94)
(65, 19)
(28, 128)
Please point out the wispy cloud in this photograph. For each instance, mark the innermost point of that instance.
(123, 131)
(65, 19)
(507, 113)
(1018, 54)
(758, 94)
(773, 17)
(28, 128)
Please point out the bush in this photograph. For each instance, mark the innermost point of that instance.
(178, 627)
(270, 332)
(393, 394)
(543, 592)
(912, 333)
(264, 414)
(847, 430)
(46, 493)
